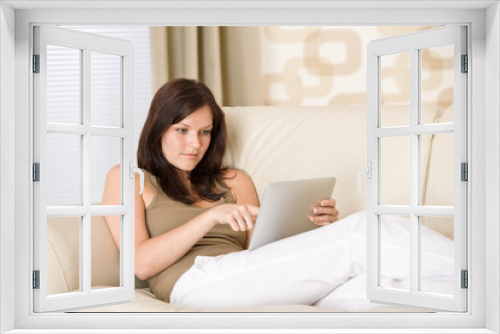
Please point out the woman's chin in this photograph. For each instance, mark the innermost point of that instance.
(187, 168)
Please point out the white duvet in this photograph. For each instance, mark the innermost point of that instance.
(437, 262)
(325, 267)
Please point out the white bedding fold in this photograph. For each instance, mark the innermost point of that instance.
(437, 262)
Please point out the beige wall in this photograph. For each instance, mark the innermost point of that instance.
(327, 66)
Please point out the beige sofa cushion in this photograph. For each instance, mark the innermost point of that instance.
(63, 254)
(287, 143)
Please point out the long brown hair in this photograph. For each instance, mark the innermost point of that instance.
(173, 102)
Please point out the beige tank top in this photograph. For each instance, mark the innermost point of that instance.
(164, 214)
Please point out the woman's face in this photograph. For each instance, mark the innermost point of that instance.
(184, 144)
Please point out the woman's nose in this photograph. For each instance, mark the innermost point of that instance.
(194, 141)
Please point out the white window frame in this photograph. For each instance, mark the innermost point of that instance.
(484, 145)
(86, 44)
(413, 44)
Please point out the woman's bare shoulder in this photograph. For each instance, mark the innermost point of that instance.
(235, 177)
(241, 186)
(114, 173)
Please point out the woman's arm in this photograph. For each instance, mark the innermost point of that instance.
(244, 193)
(152, 255)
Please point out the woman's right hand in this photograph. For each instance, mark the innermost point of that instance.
(238, 217)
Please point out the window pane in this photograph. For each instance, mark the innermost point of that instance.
(439, 189)
(105, 153)
(395, 252)
(63, 255)
(395, 170)
(105, 90)
(63, 85)
(437, 255)
(63, 169)
(395, 90)
(105, 254)
(437, 81)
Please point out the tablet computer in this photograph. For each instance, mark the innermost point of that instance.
(286, 207)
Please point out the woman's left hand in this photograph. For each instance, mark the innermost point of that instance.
(326, 213)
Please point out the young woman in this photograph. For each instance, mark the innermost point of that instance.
(195, 218)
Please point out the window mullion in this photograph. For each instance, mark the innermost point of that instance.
(85, 94)
(82, 130)
(86, 262)
(421, 129)
(96, 210)
(429, 129)
(127, 94)
(404, 210)
(372, 187)
(414, 169)
(460, 155)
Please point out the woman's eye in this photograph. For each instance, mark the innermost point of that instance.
(181, 130)
(205, 132)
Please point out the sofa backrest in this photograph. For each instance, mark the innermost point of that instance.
(63, 255)
(287, 143)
